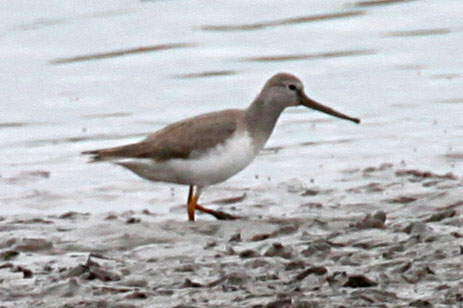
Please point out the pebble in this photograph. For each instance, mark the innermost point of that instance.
(137, 295)
(359, 281)
(249, 253)
(316, 270)
(278, 250)
(280, 303)
(9, 255)
(133, 220)
(372, 222)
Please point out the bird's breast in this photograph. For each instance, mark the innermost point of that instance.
(222, 161)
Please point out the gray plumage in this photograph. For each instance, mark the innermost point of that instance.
(182, 139)
(195, 137)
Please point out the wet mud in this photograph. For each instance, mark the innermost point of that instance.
(332, 254)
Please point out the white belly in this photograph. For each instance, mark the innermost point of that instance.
(214, 166)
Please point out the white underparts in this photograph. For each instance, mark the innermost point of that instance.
(205, 168)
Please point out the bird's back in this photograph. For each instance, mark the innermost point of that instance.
(181, 140)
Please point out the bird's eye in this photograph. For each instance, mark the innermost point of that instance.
(292, 87)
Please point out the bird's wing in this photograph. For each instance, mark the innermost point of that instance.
(179, 140)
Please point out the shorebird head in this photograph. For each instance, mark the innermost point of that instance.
(286, 90)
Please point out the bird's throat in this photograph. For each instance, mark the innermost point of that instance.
(261, 118)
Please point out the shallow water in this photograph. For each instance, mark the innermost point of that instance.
(88, 75)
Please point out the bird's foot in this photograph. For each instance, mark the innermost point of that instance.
(217, 214)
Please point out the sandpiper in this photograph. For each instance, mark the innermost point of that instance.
(210, 148)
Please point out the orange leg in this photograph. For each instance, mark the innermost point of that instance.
(193, 205)
(217, 214)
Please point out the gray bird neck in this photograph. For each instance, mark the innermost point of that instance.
(261, 117)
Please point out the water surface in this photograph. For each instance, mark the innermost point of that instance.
(97, 74)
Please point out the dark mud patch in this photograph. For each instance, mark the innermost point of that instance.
(415, 174)
(419, 32)
(282, 22)
(13, 124)
(48, 22)
(402, 199)
(39, 23)
(375, 221)
(336, 141)
(206, 74)
(359, 281)
(373, 3)
(312, 56)
(120, 53)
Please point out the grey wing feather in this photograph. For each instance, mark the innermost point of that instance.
(178, 140)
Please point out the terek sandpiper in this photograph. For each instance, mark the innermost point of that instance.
(209, 148)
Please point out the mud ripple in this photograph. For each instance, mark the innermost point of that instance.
(13, 124)
(451, 101)
(369, 3)
(311, 56)
(120, 53)
(205, 74)
(419, 32)
(282, 22)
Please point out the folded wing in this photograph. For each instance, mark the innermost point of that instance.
(179, 140)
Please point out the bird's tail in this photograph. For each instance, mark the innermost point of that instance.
(119, 152)
(95, 156)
